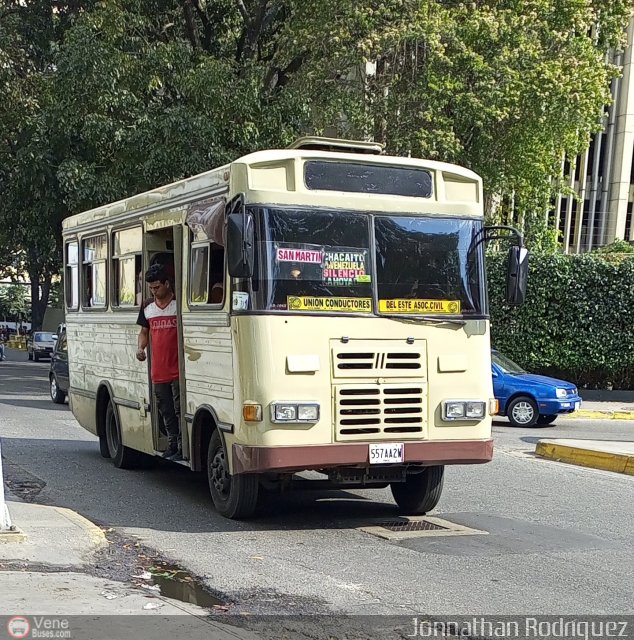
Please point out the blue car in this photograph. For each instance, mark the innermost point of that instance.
(527, 399)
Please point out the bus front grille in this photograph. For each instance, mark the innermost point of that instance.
(385, 358)
(380, 411)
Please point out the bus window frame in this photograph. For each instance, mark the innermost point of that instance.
(83, 263)
(112, 272)
(67, 280)
(195, 306)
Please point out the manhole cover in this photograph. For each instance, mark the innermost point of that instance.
(408, 525)
(416, 527)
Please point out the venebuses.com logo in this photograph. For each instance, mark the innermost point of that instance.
(18, 627)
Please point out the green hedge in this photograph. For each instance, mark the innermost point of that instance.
(577, 322)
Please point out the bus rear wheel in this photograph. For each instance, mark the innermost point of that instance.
(421, 492)
(236, 496)
(122, 456)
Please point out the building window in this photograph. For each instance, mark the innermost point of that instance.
(71, 279)
(127, 269)
(95, 253)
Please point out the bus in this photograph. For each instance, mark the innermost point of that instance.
(332, 317)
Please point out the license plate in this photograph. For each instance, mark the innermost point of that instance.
(565, 404)
(383, 453)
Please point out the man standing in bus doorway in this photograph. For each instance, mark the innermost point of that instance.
(157, 318)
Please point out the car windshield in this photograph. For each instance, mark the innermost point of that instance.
(43, 337)
(357, 262)
(507, 365)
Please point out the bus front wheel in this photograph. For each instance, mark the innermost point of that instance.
(235, 496)
(420, 493)
(122, 456)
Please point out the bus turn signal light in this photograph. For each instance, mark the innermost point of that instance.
(252, 412)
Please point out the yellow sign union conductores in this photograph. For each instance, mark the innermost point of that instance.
(349, 305)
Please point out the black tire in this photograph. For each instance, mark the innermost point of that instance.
(57, 395)
(36, 357)
(421, 492)
(522, 412)
(547, 419)
(234, 497)
(122, 456)
(104, 450)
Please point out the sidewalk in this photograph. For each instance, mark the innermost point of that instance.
(606, 455)
(47, 572)
(595, 410)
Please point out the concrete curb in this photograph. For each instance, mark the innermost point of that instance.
(599, 415)
(96, 535)
(13, 536)
(604, 460)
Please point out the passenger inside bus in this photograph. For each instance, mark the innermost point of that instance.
(216, 274)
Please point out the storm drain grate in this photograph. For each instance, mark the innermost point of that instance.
(416, 527)
(409, 525)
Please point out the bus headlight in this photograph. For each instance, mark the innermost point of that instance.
(294, 412)
(475, 410)
(463, 409)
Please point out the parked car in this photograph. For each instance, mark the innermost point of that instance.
(58, 374)
(40, 345)
(527, 399)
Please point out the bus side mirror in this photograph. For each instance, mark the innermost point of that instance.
(516, 275)
(240, 245)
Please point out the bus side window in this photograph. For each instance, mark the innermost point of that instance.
(72, 276)
(127, 245)
(206, 274)
(216, 274)
(95, 252)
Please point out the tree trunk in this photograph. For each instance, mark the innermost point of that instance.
(39, 299)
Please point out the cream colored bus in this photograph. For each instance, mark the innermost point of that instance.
(332, 317)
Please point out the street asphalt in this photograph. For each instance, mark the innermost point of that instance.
(557, 538)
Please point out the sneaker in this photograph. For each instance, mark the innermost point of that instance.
(176, 457)
(169, 453)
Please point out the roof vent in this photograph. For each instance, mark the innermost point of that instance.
(316, 143)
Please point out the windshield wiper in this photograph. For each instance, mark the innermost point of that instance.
(417, 319)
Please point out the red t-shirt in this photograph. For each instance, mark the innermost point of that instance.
(164, 339)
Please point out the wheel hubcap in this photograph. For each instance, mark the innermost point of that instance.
(523, 412)
(219, 476)
(53, 387)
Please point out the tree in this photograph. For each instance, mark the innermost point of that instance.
(14, 305)
(506, 88)
(101, 100)
(32, 204)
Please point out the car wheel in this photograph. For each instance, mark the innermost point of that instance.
(36, 357)
(522, 412)
(234, 496)
(546, 419)
(57, 395)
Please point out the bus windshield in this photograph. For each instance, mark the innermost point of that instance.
(356, 262)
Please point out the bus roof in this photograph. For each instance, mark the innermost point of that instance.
(270, 177)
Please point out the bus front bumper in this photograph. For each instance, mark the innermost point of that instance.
(248, 459)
